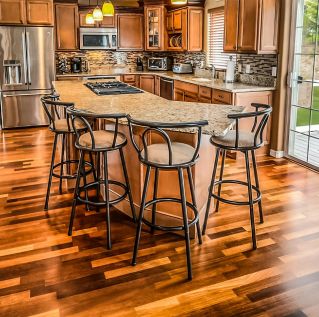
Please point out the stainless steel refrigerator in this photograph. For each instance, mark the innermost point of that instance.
(26, 74)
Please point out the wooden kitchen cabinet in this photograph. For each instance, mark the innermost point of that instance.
(185, 91)
(222, 97)
(131, 79)
(251, 26)
(195, 30)
(82, 22)
(154, 28)
(108, 22)
(12, 12)
(147, 83)
(67, 21)
(157, 85)
(130, 32)
(40, 12)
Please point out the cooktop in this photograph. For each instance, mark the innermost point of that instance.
(112, 88)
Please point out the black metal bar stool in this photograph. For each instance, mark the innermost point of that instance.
(244, 142)
(99, 142)
(167, 156)
(59, 123)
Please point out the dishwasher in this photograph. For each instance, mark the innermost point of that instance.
(166, 88)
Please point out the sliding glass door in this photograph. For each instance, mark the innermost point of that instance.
(303, 135)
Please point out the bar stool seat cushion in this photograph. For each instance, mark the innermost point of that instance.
(62, 125)
(158, 153)
(102, 139)
(245, 139)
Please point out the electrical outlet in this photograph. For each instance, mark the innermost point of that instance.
(247, 69)
(239, 66)
(274, 71)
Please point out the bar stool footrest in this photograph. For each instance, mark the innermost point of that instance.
(69, 162)
(171, 228)
(235, 202)
(101, 203)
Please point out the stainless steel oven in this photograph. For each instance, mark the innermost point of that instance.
(98, 38)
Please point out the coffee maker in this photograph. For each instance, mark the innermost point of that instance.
(79, 64)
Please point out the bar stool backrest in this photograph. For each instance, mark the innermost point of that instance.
(261, 116)
(56, 110)
(86, 118)
(160, 129)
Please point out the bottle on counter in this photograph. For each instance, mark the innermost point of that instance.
(230, 71)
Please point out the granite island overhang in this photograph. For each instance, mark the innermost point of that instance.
(148, 107)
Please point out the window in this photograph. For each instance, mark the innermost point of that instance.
(215, 54)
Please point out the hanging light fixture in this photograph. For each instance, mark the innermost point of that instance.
(97, 13)
(178, 2)
(89, 16)
(108, 9)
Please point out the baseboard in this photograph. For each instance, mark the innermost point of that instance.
(276, 154)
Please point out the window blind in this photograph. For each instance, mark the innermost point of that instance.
(215, 54)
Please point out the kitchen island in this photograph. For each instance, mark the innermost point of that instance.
(149, 107)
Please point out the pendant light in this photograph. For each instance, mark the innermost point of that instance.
(97, 13)
(178, 2)
(108, 9)
(89, 16)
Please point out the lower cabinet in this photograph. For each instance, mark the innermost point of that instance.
(132, 80)
(147, 83)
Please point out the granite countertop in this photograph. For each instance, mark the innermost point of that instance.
(190, 78)
(148, 107)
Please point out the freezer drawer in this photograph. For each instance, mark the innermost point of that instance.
(22, 110)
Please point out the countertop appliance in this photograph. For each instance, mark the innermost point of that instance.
(159, 63)
(112, 88)
(166, 88)
(98, 38)
(76, 65)
(139, 64)
(26, 74)
(183, 68)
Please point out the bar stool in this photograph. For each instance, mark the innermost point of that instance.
(99, 142)
(60, 124)
(167, 156)
(244, 142)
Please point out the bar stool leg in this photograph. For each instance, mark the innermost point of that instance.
(185, 220)
(84, 183)
(220, 179)
(261, 216)
(107, 199)
(211, 188)
(154, 197)
(128, 187)
(191, 185)
(98, 177)
(61, 168)
(51, 172)
(93, 166)
(140, 219)
(76, 193)
(251, 206)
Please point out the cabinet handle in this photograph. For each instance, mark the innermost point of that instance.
(220, 96)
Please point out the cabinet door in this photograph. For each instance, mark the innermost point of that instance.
(248, 26)
(40, 12)
(231, 25)
(268, 33)
(178, 95)
(177, 20)
(130, 32)
(82, 15)
(195, 30)
(66, 19)
(108, 22)
(154, 28)
(147, 83)
(12, 12)
(157, 86)
(190, 97)
(169, 21)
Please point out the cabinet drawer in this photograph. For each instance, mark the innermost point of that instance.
(205, 100)
(222, 96)
(129, 78)
(205, 92)
(186, 86)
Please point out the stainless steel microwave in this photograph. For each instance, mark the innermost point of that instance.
(98, 38)
(159, 63)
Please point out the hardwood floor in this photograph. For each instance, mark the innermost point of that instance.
(43, 272)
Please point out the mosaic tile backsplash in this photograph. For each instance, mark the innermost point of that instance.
(260, 65)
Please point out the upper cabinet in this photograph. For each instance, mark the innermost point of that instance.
(130, 32)
(67, 21)
(154, 28)
(108, 22)
(251, 26)
(185, 29)
(40, 12)
(33, 12)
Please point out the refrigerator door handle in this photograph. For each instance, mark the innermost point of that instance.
(29, 62)
(24, 59)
